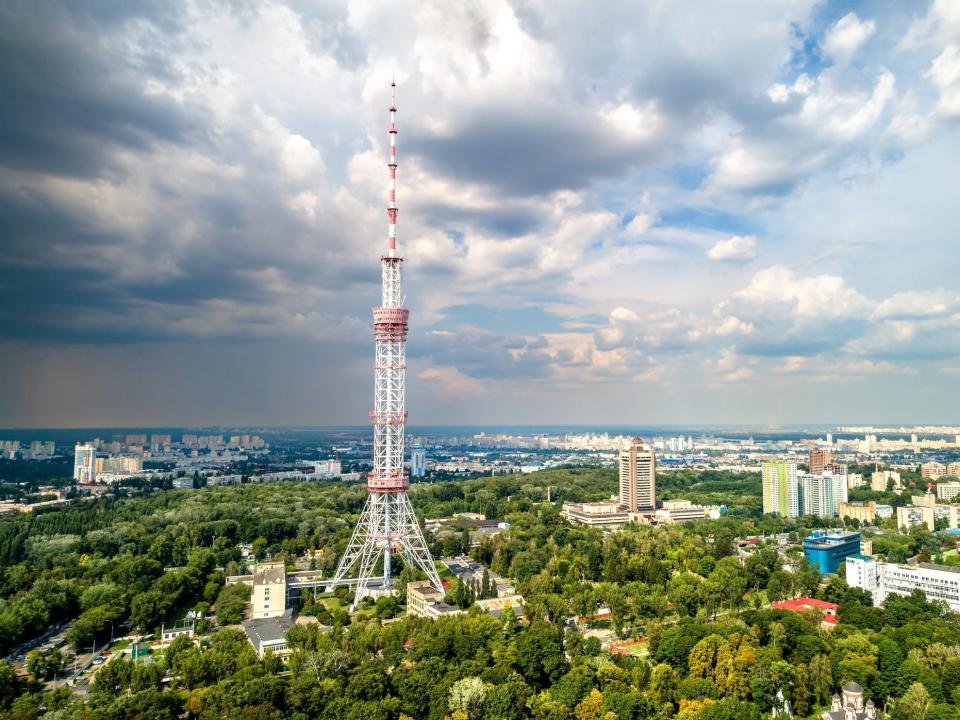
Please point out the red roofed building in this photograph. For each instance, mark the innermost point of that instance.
(805, 604)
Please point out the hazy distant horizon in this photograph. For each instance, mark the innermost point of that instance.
(414, 430)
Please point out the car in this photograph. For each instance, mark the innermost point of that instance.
(107, 652)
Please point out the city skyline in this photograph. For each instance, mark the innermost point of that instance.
(752, 229)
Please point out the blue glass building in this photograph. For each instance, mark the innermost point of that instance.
(826, 550)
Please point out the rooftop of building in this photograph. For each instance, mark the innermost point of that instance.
(801, 603)
(834, 537)
(944, 568)
(268, 631)
(269, 573)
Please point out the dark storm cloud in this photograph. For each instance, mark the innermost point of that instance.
(74, 80)
(66, 93)
(529, 152)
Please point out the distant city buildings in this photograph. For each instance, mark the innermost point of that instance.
(35, 450)
(638, 484)
(932, 470)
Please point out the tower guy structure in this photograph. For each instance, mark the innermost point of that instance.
(388, 525)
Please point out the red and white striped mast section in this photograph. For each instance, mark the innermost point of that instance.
(388, 522)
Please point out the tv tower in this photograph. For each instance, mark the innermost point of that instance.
(388, 524)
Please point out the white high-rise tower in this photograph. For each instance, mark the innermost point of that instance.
(388, 524)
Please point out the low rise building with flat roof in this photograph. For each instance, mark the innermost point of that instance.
(863, 512)
(607, 514)
(269, 633)
(826, 550)
(425, 600)
(676, 511)
(922, 510)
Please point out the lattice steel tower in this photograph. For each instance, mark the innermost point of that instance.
(388, 524)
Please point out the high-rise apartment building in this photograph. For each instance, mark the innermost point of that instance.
(821, 495)
(953, 469)
(418, 461)
(933, 470)
(819, 460)
(638, 484)
(780, 488)
(85, 464)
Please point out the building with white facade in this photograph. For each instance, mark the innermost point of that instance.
(880, 478)
(940, 583)
(948, 491)
(821, 495)
(921, 511)
(327, 469)
(676, 511)
(85, 464)
(596, 514)
(269, 596)
(424, 600)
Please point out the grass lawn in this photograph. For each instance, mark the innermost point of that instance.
(331, 603)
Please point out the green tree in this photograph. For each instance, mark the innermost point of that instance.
(913, 705)
(232, 603)
(468, 696)
(539, 655)
(821, 679)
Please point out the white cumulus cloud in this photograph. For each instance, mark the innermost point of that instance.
(738, 249)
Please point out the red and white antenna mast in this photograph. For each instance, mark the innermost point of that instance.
(388, 523)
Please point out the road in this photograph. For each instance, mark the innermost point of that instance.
(59, 630)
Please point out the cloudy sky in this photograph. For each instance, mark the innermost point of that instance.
(612, 212)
